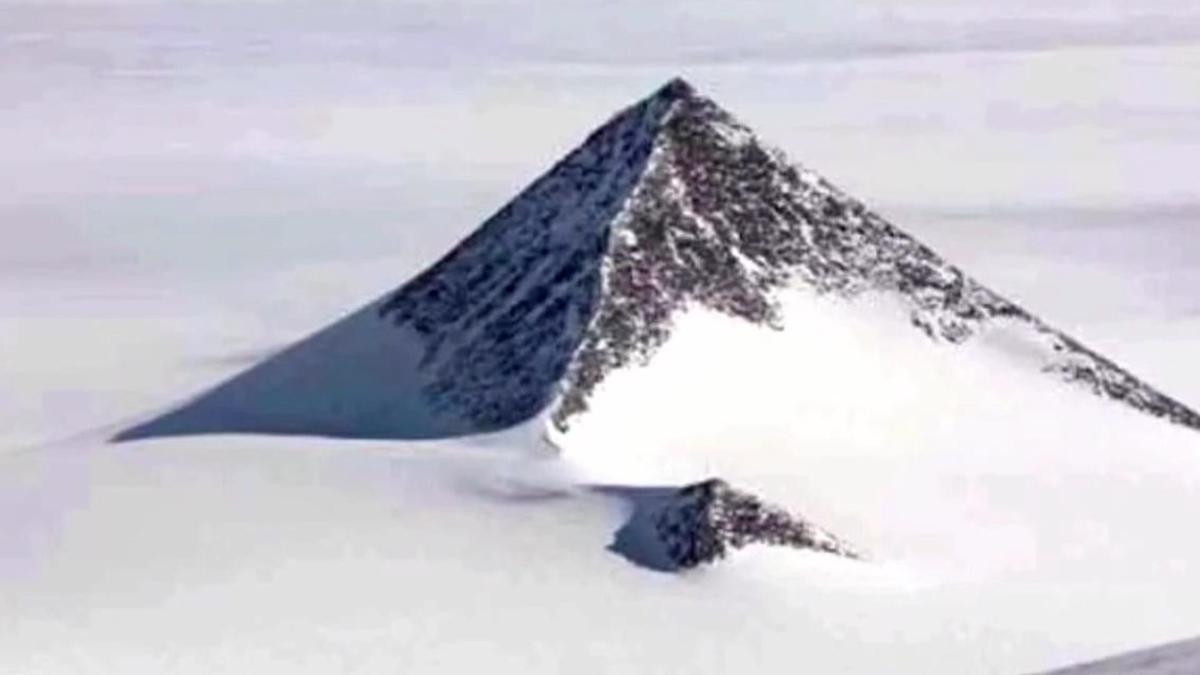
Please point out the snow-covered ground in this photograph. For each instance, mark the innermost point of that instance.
(1177, 658)
(189, 189)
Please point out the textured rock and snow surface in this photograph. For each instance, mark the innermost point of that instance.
(856, 393)
(671, 206)
(672, 529)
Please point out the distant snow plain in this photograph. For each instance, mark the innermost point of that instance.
(191, 187)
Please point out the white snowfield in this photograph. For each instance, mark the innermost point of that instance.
(1008, 527)
(192, 189)
(1177, 658)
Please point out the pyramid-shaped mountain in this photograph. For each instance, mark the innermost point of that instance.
(669, 207)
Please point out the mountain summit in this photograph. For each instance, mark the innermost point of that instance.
(671, 206)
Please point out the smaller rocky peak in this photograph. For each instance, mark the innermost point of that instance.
(671, 529)
(706, 521)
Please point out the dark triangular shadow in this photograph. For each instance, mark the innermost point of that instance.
(637, 539)
(357, 378)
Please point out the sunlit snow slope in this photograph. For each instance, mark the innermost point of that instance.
(669, 207)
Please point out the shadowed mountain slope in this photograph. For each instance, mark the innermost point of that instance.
(672, 205)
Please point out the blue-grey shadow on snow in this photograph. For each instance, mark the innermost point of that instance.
(357, 378)
(637, 539)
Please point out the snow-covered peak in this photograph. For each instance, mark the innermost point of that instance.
(674, 203)
(671, 205)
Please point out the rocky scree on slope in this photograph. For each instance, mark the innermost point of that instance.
(674, 203)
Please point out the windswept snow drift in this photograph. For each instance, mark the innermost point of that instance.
(995, 543)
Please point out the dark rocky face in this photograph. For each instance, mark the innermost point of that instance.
(502, 314)
(705, 522)
(674, 203)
